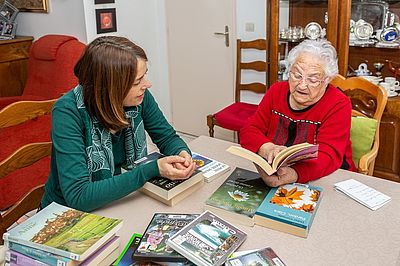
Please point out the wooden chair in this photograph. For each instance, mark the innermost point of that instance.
(368, 100)
(234, 116)
(22, 158)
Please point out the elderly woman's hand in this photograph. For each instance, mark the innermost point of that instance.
(284, 175)
(269, 150)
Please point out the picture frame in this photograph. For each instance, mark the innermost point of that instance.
(96, 2)
(40, 6)
(8, 11)
(9, 29)
(106, 20)
(373, 12)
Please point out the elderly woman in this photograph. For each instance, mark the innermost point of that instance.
(304, 109)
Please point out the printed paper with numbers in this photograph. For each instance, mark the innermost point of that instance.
(362, 193)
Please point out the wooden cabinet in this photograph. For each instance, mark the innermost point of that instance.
(14, 65)
(334, 16)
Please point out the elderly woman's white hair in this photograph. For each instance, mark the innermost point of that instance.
(322, 49)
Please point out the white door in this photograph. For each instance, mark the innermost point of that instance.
(201, 66)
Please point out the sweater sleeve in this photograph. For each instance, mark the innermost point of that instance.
(159, 130)
(333, 137)
(254, 134)
(69, 153)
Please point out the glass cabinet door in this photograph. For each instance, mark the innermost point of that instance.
(371, 47)
(290, 22)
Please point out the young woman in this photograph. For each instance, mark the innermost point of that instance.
(99, 127)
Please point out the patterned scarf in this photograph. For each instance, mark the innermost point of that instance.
(98, 140)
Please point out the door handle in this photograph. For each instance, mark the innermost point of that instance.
(226, 34)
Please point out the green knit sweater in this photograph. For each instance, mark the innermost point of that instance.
(69, 182)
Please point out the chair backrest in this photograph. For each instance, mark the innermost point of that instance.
(258, 65)
(15, 114)
(50, 68)
(368, 100)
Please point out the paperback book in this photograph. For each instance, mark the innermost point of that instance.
(64, 231)
(290, 208)
(166, 190)
(153, 245)
(288, 156)
(238, 198)
(125, 258)
(208, 240)
(265, 256)
(210, 168)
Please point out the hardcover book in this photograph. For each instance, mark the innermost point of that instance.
(290, 208)
(165, 189)
(208, 240)
(64, 231)
(288, 156)
(238, 198)
(265, 256)
(125, 258)
(210, 168)
(162, 226)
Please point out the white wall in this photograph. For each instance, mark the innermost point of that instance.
(142, 21)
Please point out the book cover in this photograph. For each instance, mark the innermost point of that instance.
(238, 198)
(105, 255)
(288, 156)
(210, 168)
(64, 231)
(265, 256)
(163, 187)
(208, 240)
(125, 258)
(290, 208)
(153, 247)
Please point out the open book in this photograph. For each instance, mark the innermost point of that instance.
(288, 156)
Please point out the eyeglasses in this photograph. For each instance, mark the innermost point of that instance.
(311, 82)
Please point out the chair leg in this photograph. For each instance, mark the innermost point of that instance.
(210, 124)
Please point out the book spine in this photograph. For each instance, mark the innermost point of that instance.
(15, 258)
(39, 255)
(56, 251)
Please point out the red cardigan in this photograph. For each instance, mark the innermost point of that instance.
(326, 123)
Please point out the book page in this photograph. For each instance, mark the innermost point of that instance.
(255, 158)
(362, 193)
(281, 156)
(305, 153)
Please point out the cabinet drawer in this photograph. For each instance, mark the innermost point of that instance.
(14, 51)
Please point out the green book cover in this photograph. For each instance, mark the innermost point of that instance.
(125, 258)
(241, 193)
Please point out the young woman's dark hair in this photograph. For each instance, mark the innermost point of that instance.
(106, 71)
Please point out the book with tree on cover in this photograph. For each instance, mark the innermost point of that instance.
(264, 256)
(165, 190)
(125, 258)
(210, 168)
(288, 156)
(290, 208)
(153, 247)
(106, 251)
(208, 240)
(238, 198)
(64, 231)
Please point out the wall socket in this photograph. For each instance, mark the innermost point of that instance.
(249, 27)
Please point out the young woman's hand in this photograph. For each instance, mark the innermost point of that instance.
(284, 175)
(173, 167)
(269, 150)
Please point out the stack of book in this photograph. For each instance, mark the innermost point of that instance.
(63, 236)
(171, 192)
(244, 198)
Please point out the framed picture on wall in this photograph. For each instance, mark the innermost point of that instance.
(8, 11)
(106, 20)
(41, 6)
(103, 2)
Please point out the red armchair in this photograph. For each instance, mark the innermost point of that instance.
(50, 74)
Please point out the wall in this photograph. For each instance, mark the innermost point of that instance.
(142, 21)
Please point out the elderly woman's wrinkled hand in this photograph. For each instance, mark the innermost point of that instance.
(269, 150)
(284, 175)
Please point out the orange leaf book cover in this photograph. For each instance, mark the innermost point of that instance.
(290, 208)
